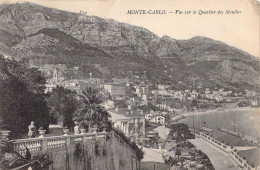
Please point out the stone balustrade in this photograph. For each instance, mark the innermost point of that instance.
(216, 143)
(33, 144)
(99, 147)
(240, 161)
(36, 145)
(231, 152)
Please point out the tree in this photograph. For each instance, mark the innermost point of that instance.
(63, 105)
(167, 118)
(178, 152)
(180, 132)
(92, 112)
(22, 96)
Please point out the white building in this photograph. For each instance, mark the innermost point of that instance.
(131, 123)
(158, 119)
(148, 116)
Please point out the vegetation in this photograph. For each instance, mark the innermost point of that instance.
(63, 105)
(22, 98)
(11, 159)
(92, 113)
(243, 104)
(180, 132)
(152, 165)
(171, 161)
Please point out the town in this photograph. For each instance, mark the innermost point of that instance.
(155, 119)
(144, 112)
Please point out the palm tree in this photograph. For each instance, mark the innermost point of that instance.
(92, 112)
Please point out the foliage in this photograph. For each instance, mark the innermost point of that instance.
(22, 96)
(137, 150)
(167, 118)
(92, 112)
(243, 104)
(178, 152)
(6, 146)
(180, 132)
(11, 159)
(63, 105)
(171, 161)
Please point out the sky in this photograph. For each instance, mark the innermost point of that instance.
(240, 30)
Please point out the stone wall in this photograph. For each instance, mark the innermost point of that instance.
(95, 151)
(93, 155)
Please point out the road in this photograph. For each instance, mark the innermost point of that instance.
(152, 155)
(219, 159)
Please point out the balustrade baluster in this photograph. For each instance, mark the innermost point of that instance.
(31, 146)
(49, 143)
(54, 143)
(34, 147)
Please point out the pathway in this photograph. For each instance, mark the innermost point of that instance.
(152, 155)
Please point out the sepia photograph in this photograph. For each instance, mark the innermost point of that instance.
(129, 85)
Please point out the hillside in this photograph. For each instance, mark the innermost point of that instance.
(53, 36)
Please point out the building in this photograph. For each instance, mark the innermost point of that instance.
(139, 91)
(254, 102)
(148, 116)
(163, 87)
(115, 90)
(49, 87)
(158, 119)
(109, 104)
(131, 123)
(151, 137)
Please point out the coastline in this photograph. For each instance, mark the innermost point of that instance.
(216, 111)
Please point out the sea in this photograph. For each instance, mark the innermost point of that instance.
(241, 120)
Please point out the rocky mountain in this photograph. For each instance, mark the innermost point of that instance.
(40, 33)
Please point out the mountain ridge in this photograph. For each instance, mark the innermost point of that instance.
(91, 36)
